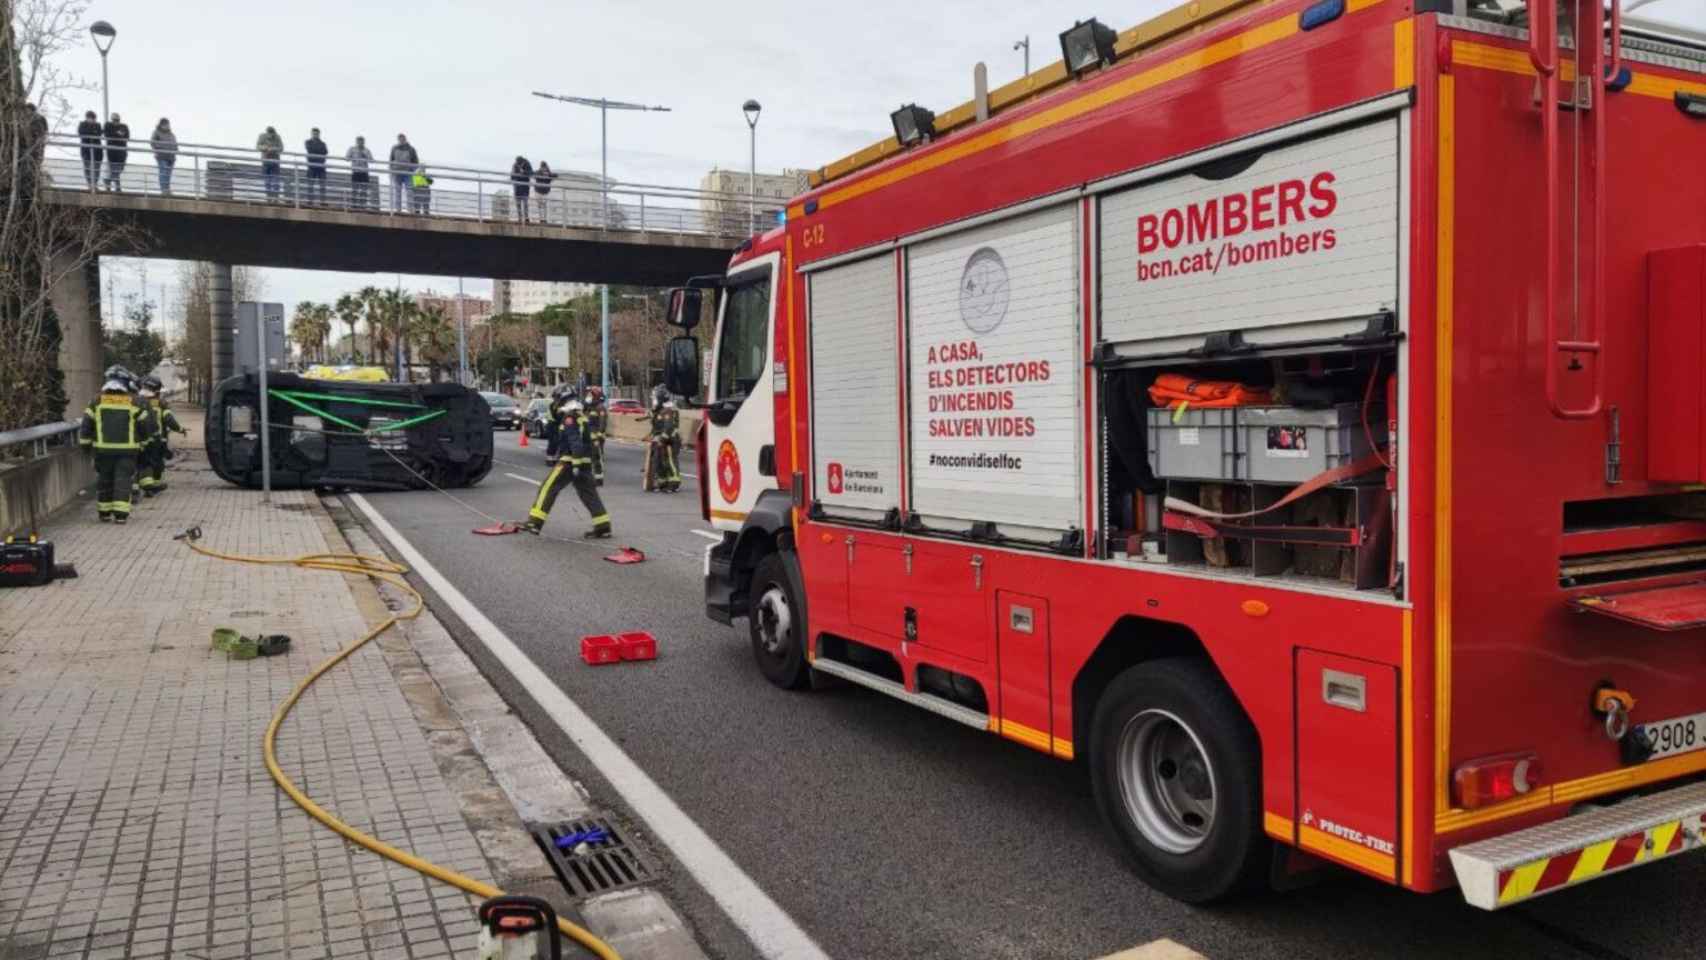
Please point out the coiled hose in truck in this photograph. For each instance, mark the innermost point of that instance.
(374, 568)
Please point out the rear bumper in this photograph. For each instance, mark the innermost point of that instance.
(719, 580)
(1519, 866)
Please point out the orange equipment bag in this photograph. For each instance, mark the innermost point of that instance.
(1172, 390)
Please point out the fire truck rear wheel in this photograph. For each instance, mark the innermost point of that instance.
(1176, 769)
(777, 624)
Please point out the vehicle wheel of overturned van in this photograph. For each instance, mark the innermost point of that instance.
(777, 624)
(1176, 769)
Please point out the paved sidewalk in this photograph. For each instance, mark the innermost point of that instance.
(136, 816)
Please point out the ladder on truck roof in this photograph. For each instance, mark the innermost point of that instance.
(1176, 24)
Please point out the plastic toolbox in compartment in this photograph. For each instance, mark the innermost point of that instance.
(1193, 444)
(1291, 444)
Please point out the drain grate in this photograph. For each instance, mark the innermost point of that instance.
(608, 864)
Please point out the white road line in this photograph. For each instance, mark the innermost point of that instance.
(517, 476)
(771, 930)
(710, 535)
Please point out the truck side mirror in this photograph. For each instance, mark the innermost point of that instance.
(685, 304)
(681, 366)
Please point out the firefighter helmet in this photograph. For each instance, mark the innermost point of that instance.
(151, 382)
(115, 385)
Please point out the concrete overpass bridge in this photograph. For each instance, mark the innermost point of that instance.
(223, 205)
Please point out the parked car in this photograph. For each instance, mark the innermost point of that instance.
(623, 405)
(506, 414)
(535, 420)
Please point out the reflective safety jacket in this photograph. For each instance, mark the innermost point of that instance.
(665, 422)
(113, 424)
(574, 440)
(595, 423)
(160, 420)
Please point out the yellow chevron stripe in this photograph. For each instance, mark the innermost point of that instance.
(1522, 881)
(1592, 861)
(1663, 835)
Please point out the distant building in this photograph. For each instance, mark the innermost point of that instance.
(479, 309)
(773, 191)
(532, 296)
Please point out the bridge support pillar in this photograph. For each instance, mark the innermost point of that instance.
(76, 299)
(223, 328)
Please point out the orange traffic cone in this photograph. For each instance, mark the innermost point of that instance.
(524, 436)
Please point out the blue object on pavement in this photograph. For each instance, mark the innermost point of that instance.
(595, 835)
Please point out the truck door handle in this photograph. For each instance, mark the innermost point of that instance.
(977, 571)
(906, 554)
(1348, 691)
(850, 551)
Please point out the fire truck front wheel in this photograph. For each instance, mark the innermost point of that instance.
(1176, 769)
(777, 622)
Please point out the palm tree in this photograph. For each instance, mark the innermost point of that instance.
(393, 310)
(323, 327)
(302, 332)
(368, 297)
(349, 313)
(432, 333)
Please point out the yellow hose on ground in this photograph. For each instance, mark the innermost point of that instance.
(383, 570)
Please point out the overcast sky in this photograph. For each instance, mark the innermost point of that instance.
(455, 76)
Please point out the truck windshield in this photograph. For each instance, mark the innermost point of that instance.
(745, 335)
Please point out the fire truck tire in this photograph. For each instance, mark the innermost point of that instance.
(1176, 769)
(777, 624)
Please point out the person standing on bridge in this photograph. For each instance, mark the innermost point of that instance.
(521, 179)
(271, 146)
(360, 188)
(542, 178)
(164, 143)
(117, 133)
(89, 133)
(316, 150)
(404, 159)
(420, 190)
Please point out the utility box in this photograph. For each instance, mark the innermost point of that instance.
(1676, 353)
(1193, 444)
(1291, 444)
(250, 318)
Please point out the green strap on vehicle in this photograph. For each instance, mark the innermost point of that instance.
(299, 398)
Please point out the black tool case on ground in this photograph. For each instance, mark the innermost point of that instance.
(25, 563)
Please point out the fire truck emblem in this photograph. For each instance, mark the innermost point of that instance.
(983, 291)
(728, 472)
(836, 478)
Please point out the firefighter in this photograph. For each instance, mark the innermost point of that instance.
(597, 423)
(155, 452)
(554, 419)
(115, 430)
(666, 443)
(574, 465)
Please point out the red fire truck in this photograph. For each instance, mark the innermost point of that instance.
(1292, 410)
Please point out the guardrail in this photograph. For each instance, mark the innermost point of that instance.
(39, 438)
(225, 174)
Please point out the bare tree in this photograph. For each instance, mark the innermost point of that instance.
(195, 294)
(42, 243)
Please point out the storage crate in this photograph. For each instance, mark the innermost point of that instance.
(638, 645)
(1291, 445)
(1194, 445)
(600, 649)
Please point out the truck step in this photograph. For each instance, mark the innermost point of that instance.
(936, 705)
(1519, 866)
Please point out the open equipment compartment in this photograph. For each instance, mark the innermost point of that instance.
(1248, 350)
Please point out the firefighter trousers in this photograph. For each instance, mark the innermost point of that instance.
(114, 471)
(151, 464)
(576, 471)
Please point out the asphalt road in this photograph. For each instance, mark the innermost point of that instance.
(886, 831)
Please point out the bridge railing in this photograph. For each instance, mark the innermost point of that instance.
(225, 174)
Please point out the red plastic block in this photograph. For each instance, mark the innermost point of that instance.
(600, 649)
(639, 645)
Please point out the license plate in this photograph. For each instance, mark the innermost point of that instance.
(1678, 735)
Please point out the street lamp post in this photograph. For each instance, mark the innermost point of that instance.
(1025, 45)
(604, 107)
(751, 108)
(102, 30)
